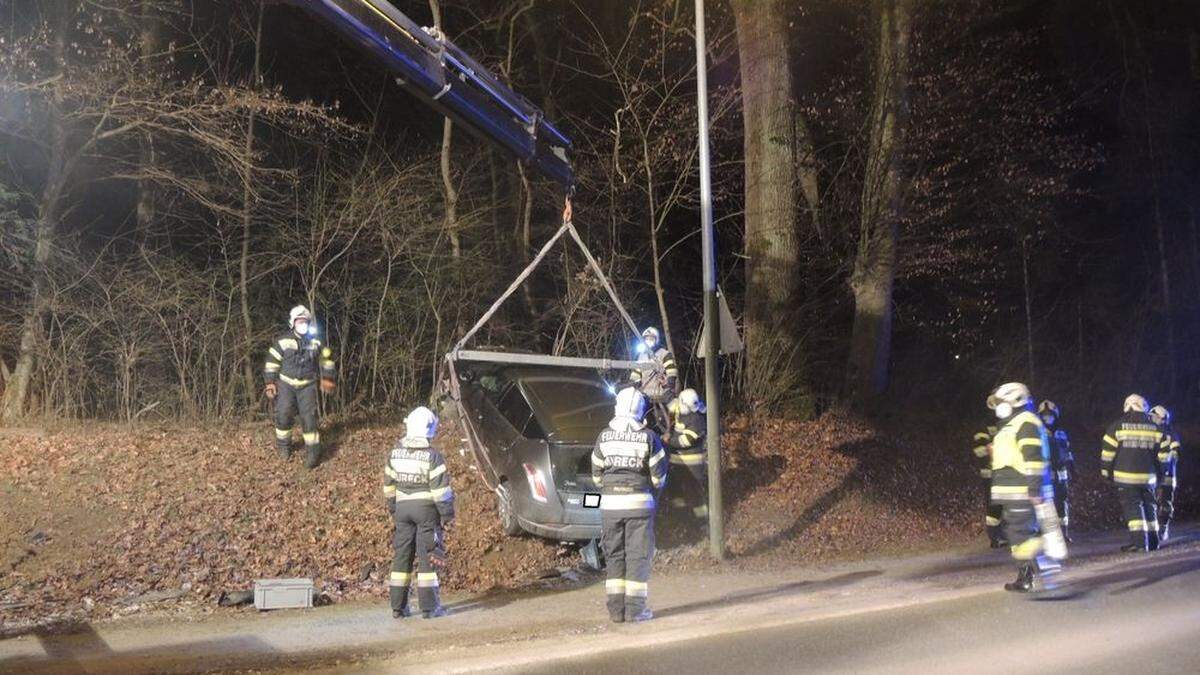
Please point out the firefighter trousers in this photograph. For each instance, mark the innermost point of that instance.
(993, 518)
(1166, 505)
(288, 402)
(687, 486)
(417, 535)
(1141, 514)
(1021, 530)
(628, 543)
(1062, 503)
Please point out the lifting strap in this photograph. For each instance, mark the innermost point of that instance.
(566, 228)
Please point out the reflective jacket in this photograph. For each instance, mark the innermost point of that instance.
(1134, 450)
(686, 439)
(299, 361)
(982, 450)
(630, 466)
(656, 375)
(416, 474)
(1170, 469)
(1021, 459)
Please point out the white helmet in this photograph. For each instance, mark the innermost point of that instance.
(421, 423)
(298, 312)
(1136, 403)
(689, 401)
(652, 332)
(1014, 394)
(630, 404)
(1160, 415)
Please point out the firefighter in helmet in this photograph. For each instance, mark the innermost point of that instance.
(1021, 483)
(657, 376)
(1062, 463)
(1170, 472)
(630, 467)
(1133, 451)
(688, 487)
(296, 362)
(417, 490)
(982, 450)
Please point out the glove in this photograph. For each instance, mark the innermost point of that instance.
(327, 385)
(271, 390)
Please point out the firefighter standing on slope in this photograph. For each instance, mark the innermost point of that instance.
(1170, 472)
(630, 467)
(657, 378)
(1021, 484)
(1062, 463)
(417, 490)
(688, 458)
(982, 450)
(1134, 450)
(294, 364)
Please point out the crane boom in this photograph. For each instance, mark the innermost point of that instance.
(437, 71)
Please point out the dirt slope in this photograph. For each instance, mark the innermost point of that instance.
(98, 520)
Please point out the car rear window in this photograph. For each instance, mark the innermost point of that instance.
(577, 408)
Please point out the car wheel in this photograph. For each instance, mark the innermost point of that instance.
(504, 510)
(593, 555)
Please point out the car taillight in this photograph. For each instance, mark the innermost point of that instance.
(537, 483)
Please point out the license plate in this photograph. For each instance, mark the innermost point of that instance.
(591, 501)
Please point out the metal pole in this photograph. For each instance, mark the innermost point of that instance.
(712, 319)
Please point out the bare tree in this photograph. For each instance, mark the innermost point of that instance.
(874, 271)
(773, 158)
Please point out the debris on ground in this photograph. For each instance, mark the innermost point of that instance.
(103, 521)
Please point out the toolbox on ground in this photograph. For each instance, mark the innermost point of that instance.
(283, 593)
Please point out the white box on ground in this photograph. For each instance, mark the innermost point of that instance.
(283, 593)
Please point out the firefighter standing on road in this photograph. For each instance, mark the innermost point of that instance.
(689, 460)
(1170, 472)
(1062, 463)
(421, 502)
(295, 362)
(657, 378)
(1021, 481)
(1134, 450)
(982, 450)
(630, 467)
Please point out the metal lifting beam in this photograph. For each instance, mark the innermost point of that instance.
(447, 79)
(542, 360)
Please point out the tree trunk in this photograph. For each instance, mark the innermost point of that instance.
(150, 43)
(875, 261)
(16, 392)
(247, 220)
(451, 195)
(1031, 377)
(771, 245)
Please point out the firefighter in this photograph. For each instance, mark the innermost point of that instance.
(1134, 450)
(657, 378)
(688, 459)
(630, 467)
(1021, 481)
(1062, 463)
(295, 363)
(417, 490)
(982, 450)
(1170, 473)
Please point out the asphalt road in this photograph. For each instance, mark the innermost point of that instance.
(941, 612)
(1144, 618)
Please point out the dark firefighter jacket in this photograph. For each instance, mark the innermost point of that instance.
(630, 466)
(1133, 450)
(299, 361)
(416, 474)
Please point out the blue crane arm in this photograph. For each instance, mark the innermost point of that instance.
(435, 70)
